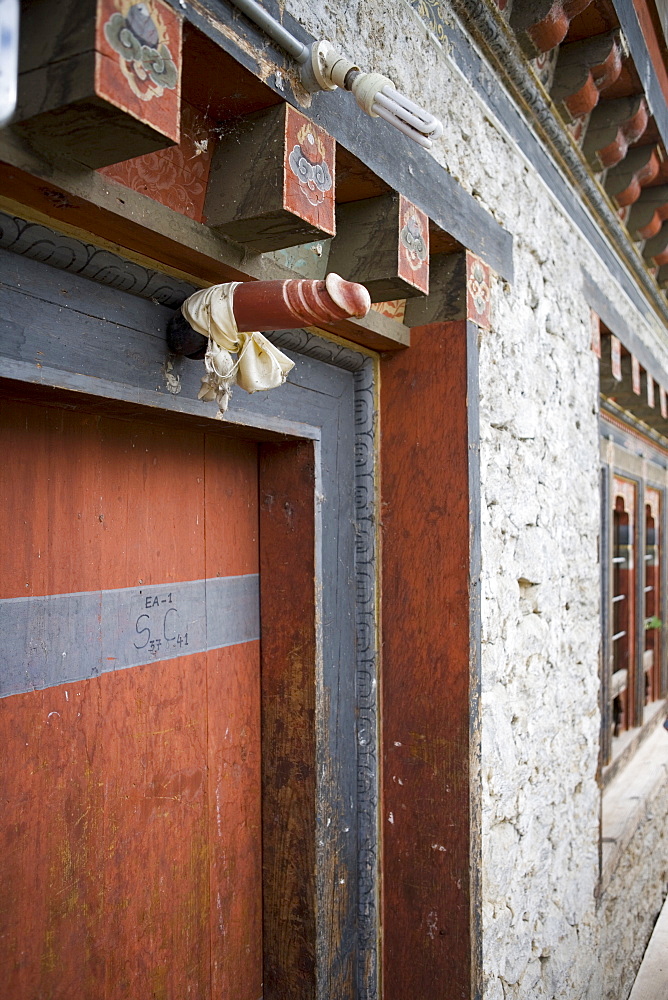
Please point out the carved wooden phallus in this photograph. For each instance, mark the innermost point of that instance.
(272, 181)
(278, 305)
(613, 127)
(584, 69)
(99, 84)
(542, 24)
(648, 214)
(640, 166)
(384, 244)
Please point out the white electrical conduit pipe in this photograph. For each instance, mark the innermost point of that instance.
(271, 27)
(322, 67)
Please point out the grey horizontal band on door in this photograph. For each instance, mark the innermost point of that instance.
(64, 638)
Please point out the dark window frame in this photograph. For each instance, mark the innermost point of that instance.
(617, 748)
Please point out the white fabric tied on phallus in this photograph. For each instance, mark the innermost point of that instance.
(259, 365)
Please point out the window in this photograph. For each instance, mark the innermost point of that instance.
(623, 605)
(633, 681)
(652, 596)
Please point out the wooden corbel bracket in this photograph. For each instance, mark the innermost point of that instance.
(584, 69)
(99, 84)
(613, 127)
(640, 166)
(541, 25)
(648, 213)
(655, 251)
(272, 181)
(383, 243)
(278, 305)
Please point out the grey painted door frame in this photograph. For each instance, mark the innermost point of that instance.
(96, 323)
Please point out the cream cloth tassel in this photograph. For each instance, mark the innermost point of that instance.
(259, 365)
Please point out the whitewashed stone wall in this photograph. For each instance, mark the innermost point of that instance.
(544, 934)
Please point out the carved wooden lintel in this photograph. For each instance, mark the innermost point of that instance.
(272, 181)
(542, 24)
(584, 69)
(613, 127)
(383, 243)
(648, 213)
(624, 182)
(99, 84)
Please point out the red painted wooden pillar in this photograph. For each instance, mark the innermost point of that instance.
(430, 539)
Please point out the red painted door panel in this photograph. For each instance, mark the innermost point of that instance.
(130, 861)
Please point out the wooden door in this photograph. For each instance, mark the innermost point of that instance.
(130, 850)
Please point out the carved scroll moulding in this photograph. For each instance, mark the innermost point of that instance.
(309, 171)
(138, 61)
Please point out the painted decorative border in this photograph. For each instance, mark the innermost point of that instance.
(70, 254)
(367, 662)
(434, 14)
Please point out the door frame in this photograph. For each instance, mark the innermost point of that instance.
(319, 456)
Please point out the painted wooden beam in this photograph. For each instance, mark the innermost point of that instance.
(625, 382)
(86, 205)
(393, 158)
(542, 24)
(648, 214)
(625, 181)
(583, 70)
(272, 181)
(615, 323)
(613, 127)
(99, 84)
(383, 243)
(651, 71)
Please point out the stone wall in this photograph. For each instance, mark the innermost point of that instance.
(545, 935)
